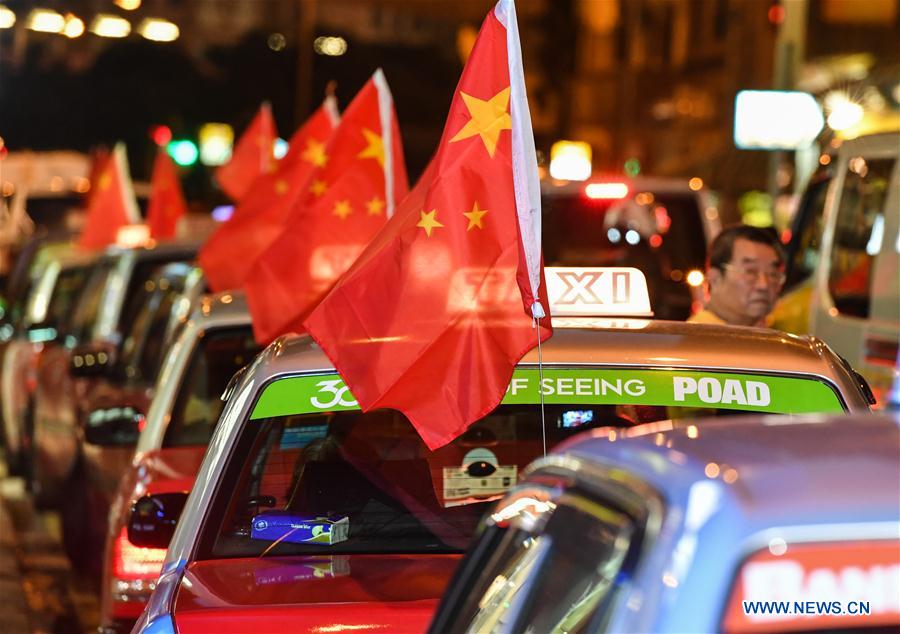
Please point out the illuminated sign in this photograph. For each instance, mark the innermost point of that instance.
(597, 292)
(776, 120)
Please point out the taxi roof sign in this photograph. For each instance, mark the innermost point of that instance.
(597, 292)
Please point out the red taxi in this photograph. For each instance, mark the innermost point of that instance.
(214, 343)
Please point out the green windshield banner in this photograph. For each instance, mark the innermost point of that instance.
(590, 386)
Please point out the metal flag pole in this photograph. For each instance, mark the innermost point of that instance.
(537, 327)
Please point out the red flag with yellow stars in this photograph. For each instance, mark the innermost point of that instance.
(167, 203)
(253, 155)
(112, 204)
(229, 253)
(348, 200)
(429, 320)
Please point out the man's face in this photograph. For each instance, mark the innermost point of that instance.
(749, 284)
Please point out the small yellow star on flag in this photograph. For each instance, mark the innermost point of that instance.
(318, 187)
(342, 209)
(475, 217)
(489, 119)
(375, 147)
(105, 181)
(428, 221)
(281, 186)
(375, 206)
(315, 153)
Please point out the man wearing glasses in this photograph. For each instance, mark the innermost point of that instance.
(745, 276)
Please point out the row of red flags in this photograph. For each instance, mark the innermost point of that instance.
(425, 300)
(112, 205)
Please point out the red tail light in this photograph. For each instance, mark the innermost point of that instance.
(134, 562)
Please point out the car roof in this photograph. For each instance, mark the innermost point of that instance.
(637, 343)
(720, 490)
(185, 248)
(783, 470)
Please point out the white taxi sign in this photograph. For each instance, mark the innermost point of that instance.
(597, 292)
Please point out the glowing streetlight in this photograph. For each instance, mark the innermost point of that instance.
(843, 113)
(330, 45)
(106, 25)
(159, 30)
(570, 160)
(74, 26)
(7, 18)
(45, 21)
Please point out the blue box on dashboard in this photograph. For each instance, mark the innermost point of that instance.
(299, 529)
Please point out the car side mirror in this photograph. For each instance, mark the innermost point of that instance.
(153, 519)
(91, 359)
(113, 427)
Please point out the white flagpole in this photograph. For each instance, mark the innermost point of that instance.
(385, 113)
(526, 180)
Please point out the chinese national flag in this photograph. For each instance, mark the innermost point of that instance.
(167, 203)
(429, 320)
(260, 217)
(253, 155)
(112, 204)
(347, 201)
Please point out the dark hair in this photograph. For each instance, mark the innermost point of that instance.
(722, 248)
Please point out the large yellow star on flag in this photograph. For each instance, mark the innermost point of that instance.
(318, 187)
(374, 148)
(105, 181)
(428, 221)
(489, 119)
(475, 217)
(342, 209)
(315, 153)
(375, 206)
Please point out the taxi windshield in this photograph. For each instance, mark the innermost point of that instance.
(352, 482)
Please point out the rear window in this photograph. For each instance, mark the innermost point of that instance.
(313, 474)
(218, 355)
(87, 307)
(859, 234)
(663, 236)
(847, 586)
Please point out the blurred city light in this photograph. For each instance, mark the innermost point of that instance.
(329, 45)
(695, 277)
(222, 212)
(276, 42)
(128, 5)
(776, 120)
(281, 148)
(133, 235)
(216, 140)
(74, 26)
(161, 134)
(570, 160)
(106, 25)
(159, 30)
(696, 184)
(45, 21)
(843, 112)
(607, 191)
(632, 167)
(7, 18)
(183, 152)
